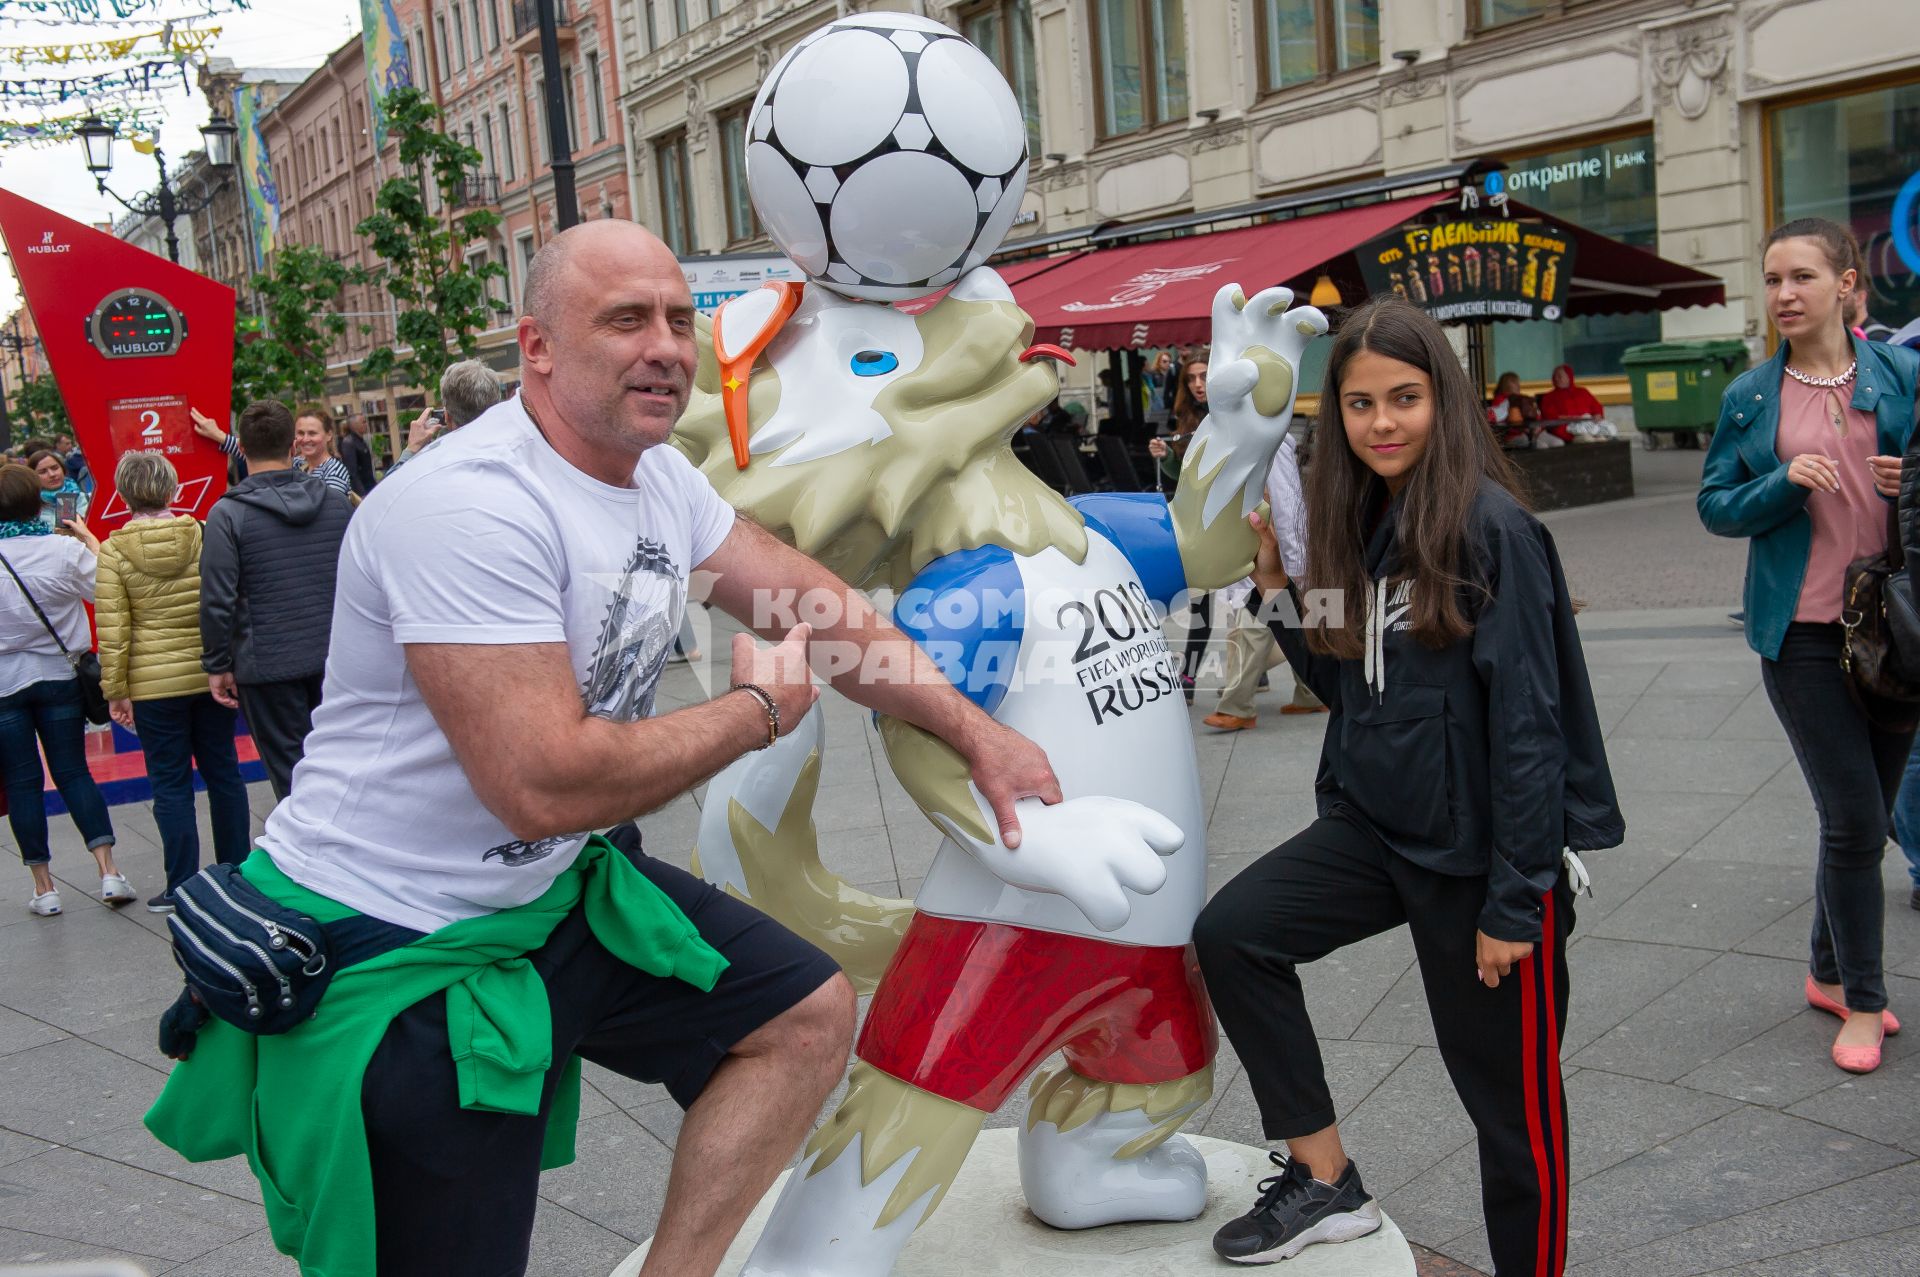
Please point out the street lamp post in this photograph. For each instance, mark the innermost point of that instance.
(96, 140)
(12, 340)
(566, 204)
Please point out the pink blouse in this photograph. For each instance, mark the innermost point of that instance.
(1849, 524)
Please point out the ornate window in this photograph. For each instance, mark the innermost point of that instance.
(1306, 40)
(1004, 31)
(676, 211)
(1140, 63)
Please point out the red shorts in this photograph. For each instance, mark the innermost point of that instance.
(968, 1009)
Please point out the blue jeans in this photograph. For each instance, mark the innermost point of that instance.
(178, 733)
(1906, 816)
(50, 716)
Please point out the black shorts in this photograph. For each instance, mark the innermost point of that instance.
(454, 1190)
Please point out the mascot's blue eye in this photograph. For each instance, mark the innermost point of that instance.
(874, 363)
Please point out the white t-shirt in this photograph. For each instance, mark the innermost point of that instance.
(60, 572)
(489, 538)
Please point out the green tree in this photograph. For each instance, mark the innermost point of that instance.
(443, 301)
(281, 353)
(38, 410)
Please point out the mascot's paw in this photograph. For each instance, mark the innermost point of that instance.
(1091, 850)
(1073, 1179)
(1257, 345)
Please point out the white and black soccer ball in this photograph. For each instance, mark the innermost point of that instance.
(886, 156)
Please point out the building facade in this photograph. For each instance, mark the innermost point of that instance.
(224, 242)
(1685, 126)
(480, 61)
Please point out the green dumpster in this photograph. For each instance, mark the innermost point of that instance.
(1677, 386)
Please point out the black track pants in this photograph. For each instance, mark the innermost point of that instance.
(1336, 883)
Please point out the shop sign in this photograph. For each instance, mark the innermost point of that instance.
(1474, 269)
(715, 279)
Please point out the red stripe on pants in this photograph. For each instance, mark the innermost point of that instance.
(1530, 1069)
(1554, 1100)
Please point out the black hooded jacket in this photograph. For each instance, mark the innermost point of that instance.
(1486, 756)
(267, 571)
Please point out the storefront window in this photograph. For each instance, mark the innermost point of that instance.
(1606, 187)
(1856, 160)
(1308, 39)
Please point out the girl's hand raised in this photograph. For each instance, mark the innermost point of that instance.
(1268, 572)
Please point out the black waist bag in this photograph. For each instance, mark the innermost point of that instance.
(253, 962)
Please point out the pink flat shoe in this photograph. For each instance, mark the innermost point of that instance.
(1859, 1059)
(1819, 1001)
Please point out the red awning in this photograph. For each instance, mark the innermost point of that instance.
(1161, 293)
(1612, 277)
(1010, 273)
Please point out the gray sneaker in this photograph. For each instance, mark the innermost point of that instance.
(1295, 1211)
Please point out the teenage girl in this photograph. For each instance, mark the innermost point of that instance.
(1463, 758)
(1803, 462)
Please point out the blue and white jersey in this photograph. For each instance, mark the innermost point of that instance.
(1072, 656)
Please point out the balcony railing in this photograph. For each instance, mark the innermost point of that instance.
(478, 190)
(526, 16)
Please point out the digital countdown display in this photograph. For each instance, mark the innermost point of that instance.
(135, 324)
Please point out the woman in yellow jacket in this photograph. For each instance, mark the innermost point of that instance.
(147, 607)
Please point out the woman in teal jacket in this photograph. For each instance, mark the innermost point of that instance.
(1804, 461)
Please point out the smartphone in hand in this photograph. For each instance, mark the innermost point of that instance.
(66, 506)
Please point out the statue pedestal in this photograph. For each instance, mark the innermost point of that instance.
(983, 1229)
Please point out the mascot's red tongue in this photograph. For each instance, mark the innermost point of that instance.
(1045, 351)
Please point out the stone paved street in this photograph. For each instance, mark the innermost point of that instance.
(1711, 1134)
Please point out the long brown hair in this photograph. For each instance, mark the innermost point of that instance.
(1439, 494)
(1187, 411)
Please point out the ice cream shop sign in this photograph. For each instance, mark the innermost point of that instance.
(1474, 269)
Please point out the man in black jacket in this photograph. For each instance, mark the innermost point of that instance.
(357, 454)
(266, 591)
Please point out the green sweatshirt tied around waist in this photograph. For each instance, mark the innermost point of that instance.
(291, 1103)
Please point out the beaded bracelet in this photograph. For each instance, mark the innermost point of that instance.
(773, 711)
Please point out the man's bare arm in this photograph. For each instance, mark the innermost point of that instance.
(854, 642)
(546, 767)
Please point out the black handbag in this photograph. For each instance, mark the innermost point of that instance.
(248, 959)
(86, 666)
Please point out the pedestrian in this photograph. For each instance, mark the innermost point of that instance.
(1803, 463)
(313, 450)
(267, 576)
(467, 389)
(147, 611)
(1189, 410)
(1251, 650)
(76, 462)
(48, 580)
(356, 454)
(538, 553)
(1462, 767)
(56, 483)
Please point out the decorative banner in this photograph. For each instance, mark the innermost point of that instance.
(61, 129)
(256, 173)
(389, 66)
(133, 79)
(88, 11)
(132, 340)
(1474, 270)
(171, 40)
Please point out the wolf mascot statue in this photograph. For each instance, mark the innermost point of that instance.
(879, 442)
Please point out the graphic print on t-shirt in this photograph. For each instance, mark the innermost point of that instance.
(640, 624)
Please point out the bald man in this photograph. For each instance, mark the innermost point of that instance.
(506, 604)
